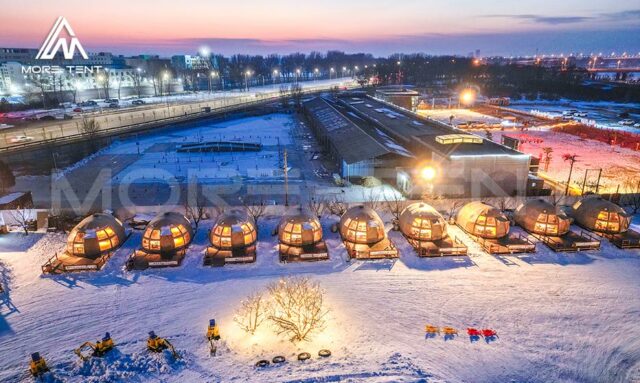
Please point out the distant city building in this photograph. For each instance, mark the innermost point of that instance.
(11, 78)
(190, 62)
(400, 96)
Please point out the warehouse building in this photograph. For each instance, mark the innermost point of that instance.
(447, 161)
(360, 151)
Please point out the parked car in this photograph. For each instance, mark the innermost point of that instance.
(18, 139)
(636, 125)
(138, 102)
(112, 101)
(626, 122)
(78, 110)
(580, 114)
(114, 105)
(88, 103)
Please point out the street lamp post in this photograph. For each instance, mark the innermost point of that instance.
(275, 74)
(246, 79)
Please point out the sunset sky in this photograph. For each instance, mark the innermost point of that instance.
(375, 26)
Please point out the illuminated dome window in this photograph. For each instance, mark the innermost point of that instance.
(233, 230)
(422, 222)
(166, 233)
(362, 225)
(483, 220)
(598, 214)
(95, 235)
(300, 230)
(540, 217)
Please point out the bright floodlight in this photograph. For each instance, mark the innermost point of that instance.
(468, 96)
(428, 173)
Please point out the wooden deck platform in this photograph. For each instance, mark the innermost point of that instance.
(442, 247)
(514, 243)
(315, 252)
(219, 257)
(571, 241)
(141, 260)
(67, 263)
(630, 239)
(379, 250)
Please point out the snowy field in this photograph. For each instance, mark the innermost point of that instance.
(619, 165)
(560, 317)
(159, 160)
(605, 114)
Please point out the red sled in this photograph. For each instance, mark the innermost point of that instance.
(473, 332)
(488, 333)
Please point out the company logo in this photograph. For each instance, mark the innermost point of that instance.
(55, 42)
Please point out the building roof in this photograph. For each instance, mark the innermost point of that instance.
(353, 142)
(406, 128)
(9, 198)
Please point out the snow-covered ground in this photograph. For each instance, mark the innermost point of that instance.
(604, 114)
(560, 317)
(619, 165)
(160, 161)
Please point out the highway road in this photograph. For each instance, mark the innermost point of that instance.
(172, 107)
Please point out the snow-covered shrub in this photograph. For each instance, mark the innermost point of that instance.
(252, 312)
(298, 307)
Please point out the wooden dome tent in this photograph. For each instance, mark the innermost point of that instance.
(300, 238)
(552, 226)
(597, 214)
(490, 227)
(483, 220)
(233, 239)
(164, 242)
(538, 216)
(363, 234)
(89, 245)
(96, 235)
(606, 218)
(426, 230)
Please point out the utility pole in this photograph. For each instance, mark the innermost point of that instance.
(286, 180)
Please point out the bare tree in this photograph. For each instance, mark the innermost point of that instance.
(337, 206)
(23, 216)
(195, 212)
(316, 206)
(451, 206)
(395, 205)
(298, 307)
(547, 156)
(255, 210)
(296, 94)
(370, 199)
(284, 96)
(253, 311)
(632, 195)
(555, 199)
(90, 127)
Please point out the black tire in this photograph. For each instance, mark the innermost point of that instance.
(278, 359)
(324, 353)
(262, 363)
(304, 356)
